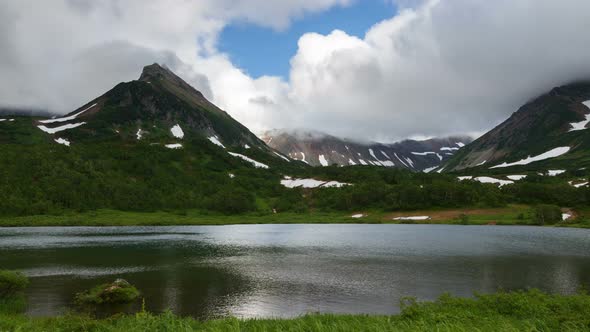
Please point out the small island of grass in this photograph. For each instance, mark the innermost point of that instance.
(117, 292)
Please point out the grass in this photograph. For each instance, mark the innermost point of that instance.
(12, 283)
(511, 215)
(529, 310)
(119, 291)
(12, 304)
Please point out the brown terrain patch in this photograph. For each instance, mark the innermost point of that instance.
(444, 215)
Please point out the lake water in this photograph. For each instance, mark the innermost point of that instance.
(288, 270)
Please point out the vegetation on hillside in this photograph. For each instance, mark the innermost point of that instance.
(49, 179)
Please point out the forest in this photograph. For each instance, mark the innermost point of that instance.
(41, 179)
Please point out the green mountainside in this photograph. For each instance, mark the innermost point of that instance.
(156, 144)
(555, 120)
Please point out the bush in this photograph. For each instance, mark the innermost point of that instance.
(546, 214)
(232, 201)
(12, 283)
(119, 291)
(464, 219)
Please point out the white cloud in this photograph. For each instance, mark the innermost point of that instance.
(436, 68)
(58, 54)
(446, 67)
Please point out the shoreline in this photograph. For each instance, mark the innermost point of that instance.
(530, 310)
(513, 215)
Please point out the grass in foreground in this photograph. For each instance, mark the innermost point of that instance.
(518, 311)
(511, 215)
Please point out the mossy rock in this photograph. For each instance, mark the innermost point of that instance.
(117, 292)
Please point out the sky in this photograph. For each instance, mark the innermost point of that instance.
(380, 70)
(244, 42)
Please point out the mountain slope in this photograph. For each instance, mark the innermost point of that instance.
(549, 131)
(154, 143)
(148, 109)
(318, 149)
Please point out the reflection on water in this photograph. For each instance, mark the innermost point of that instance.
(287, 270)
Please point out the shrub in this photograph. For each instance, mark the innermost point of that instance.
(464, 219)
(119, 291)
(12, 283)
(546, 214)
(232, 201)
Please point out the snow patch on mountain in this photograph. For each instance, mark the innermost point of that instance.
(429, 169)
(547, 155)
(578, 185)
(303, 158)
(487, 179)
(252, 161)
(311, 183)
(62, 141)
(215, 140)
(283, 157)
(174, 146)
(555, 172)
(516, 177)
(372, 153)
(582, 124)
(60, 128)
(323, 161)
(177, 131)
(66, 118)
(400, 160)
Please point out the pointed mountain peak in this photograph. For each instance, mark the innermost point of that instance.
(155, 72)
(165, 76)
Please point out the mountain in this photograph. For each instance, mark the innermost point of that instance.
(152, 143)
(146, 110)
(319, 149)
(547, 132)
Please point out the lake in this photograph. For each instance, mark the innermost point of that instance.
(289, 270)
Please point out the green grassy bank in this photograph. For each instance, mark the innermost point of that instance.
(510, 215)
(518, 311)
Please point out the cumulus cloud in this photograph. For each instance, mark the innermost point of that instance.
(445, 67)
(58, 54)
(438, 67)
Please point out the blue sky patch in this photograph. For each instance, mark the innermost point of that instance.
(263, 51)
